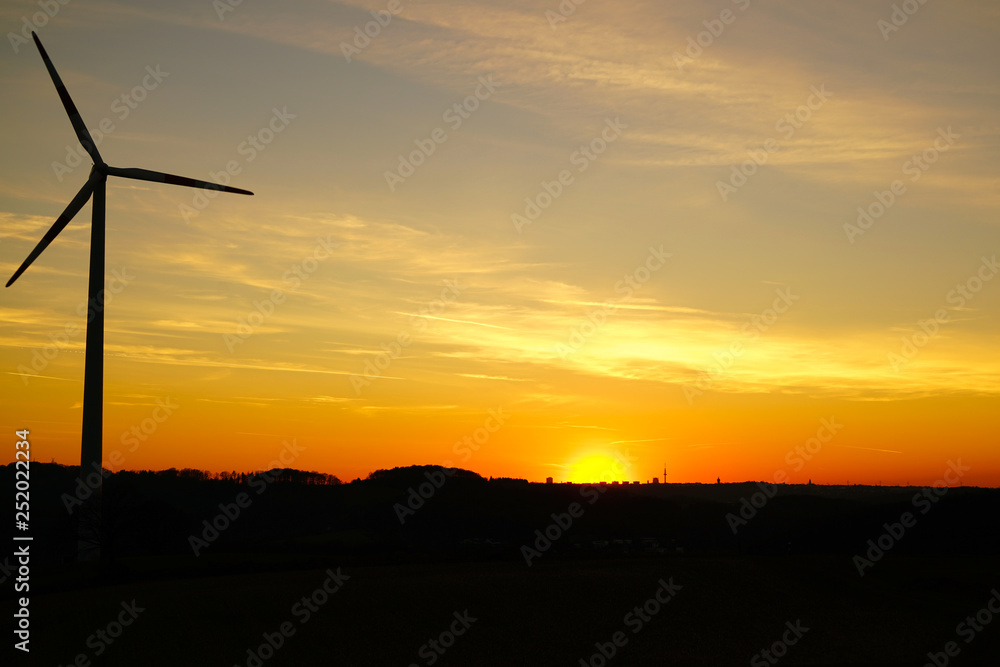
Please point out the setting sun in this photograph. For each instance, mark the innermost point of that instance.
(599, 468)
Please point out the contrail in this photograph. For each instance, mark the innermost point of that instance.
(872, 449)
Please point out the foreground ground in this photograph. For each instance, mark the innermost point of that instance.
(210, 571)
(725, 612)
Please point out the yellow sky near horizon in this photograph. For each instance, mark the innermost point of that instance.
(580, 254)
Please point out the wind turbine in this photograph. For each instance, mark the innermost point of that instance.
(93, 374)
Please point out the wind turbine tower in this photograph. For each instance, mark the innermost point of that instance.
(96, 185)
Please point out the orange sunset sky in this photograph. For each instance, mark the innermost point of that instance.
(732, 238)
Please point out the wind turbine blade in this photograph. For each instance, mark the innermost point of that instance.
(74, 207)
(82, 133)
(159, 177)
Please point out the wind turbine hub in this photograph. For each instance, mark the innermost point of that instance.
(91, 188)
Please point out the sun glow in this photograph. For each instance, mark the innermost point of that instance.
(598, 468)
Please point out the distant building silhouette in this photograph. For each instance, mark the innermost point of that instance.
(548, 480)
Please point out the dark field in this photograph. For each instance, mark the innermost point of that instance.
(787, 582)
(728, 610)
